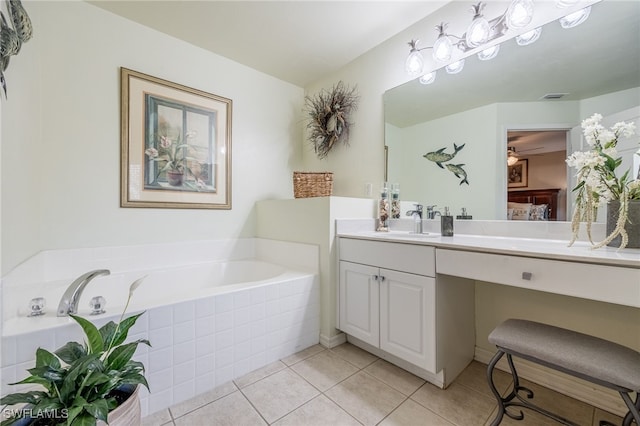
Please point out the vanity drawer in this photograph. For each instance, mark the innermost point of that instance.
(412, 258)
(597, 282)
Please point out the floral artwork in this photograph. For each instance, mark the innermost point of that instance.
(179, 159)
(176, 145)
(597, 180)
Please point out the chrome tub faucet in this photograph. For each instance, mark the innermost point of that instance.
(69, 303)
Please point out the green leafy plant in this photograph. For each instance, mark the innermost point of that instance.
(82, 382)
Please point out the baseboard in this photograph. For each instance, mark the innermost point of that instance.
(592, 394)
(332, 342)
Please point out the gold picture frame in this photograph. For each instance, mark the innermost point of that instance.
(175, 145)
(518, 174)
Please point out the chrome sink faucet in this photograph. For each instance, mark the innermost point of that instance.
(417, 218)
(431, 213)
(69, 303)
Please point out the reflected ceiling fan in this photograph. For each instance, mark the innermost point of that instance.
(512, 157)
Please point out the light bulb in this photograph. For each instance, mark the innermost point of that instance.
(511, 160)
(414, 64)
(455, 67)
(489, 53)
(576, 18)
(528, 37)
(442, 48)
(519, 14)
(479, 30)
(428, 78)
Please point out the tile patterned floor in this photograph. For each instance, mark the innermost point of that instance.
(348, 386)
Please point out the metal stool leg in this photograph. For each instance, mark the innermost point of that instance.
(494, 390)
(634, 409)
(514, 398)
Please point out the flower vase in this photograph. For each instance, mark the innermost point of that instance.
(174, 177)
(632, 226)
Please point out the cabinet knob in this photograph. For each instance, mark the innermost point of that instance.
(375, 277)
(382, 278)
(527, 276)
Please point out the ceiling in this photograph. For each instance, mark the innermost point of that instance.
(295, 41)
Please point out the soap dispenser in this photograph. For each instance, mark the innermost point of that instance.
(446, 223)
(464, 215)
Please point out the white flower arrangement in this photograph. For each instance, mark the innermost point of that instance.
(597, 180)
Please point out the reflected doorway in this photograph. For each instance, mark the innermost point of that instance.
(537, 174)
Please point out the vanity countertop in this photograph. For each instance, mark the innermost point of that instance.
(524, 247)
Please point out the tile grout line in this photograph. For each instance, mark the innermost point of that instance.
(253, 406)
(323, 392)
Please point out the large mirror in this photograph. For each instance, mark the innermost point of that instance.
(594, 67)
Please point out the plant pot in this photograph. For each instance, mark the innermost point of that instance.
(175, 177)
(126, 414)
(632, 226)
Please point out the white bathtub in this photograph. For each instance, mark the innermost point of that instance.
(208, 322)
(160, 287)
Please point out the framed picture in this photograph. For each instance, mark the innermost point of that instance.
(518, 174)
(175, 145)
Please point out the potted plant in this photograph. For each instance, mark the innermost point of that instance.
(84, 383)
(598, 184)
(172, 152)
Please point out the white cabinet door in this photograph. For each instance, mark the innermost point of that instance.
(359, 302)
(408, 317)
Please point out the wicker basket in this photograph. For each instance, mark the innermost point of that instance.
(307, 184)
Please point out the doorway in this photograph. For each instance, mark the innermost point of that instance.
(537, 171)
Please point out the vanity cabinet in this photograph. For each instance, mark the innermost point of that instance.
(392, 310)
(391, 303)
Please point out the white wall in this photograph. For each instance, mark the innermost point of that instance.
(61, 134)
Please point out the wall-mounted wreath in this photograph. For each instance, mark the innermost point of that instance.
(328, 117)
(11, 38)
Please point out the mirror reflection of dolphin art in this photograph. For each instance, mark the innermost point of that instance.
(440, 156)
(457, 170)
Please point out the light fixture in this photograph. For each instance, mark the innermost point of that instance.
(512, 157)
(479, 30)
(519, 14)
(482, 32)
(489, 53)
(529, 37)
(442, 48)
(428, 78)
(576, 18)
(455, 67)
(414, 65)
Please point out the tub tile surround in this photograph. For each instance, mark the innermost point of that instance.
(197, 345)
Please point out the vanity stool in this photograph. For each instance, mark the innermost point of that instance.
(596, 360)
